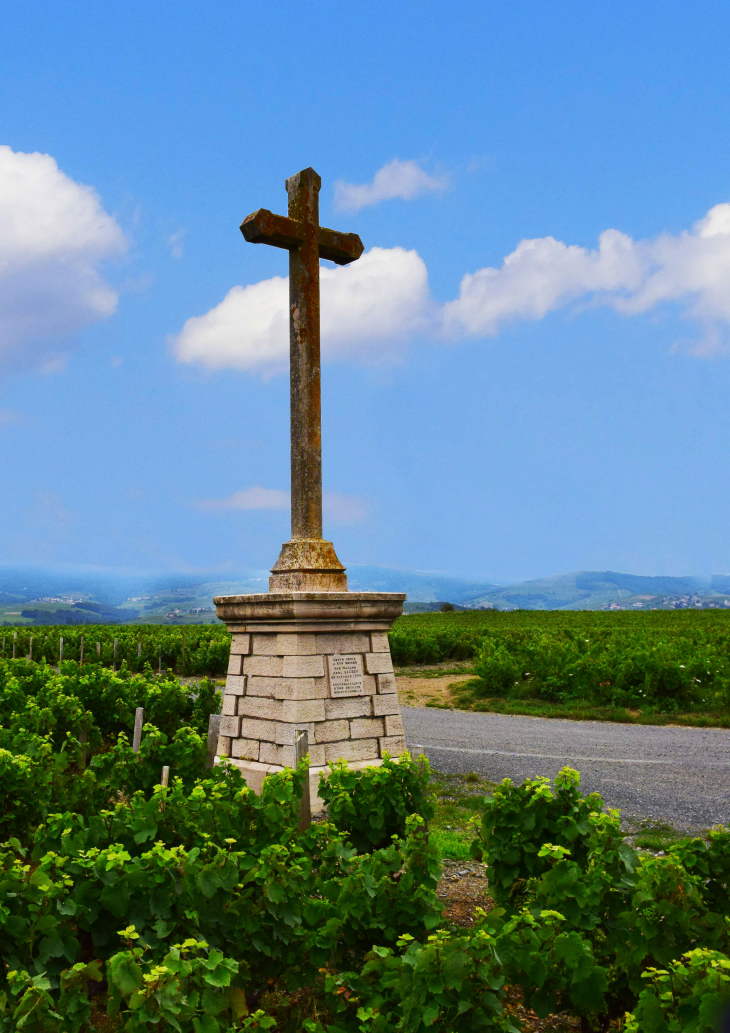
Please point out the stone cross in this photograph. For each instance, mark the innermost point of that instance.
(306, 563)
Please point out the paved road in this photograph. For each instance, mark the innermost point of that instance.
(679, 774)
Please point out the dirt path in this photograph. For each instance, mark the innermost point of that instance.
(422, 692)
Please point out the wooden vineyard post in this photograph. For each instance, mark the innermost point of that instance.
(114, 665)
(60, 649)
(138, 722)
(164, 782)
(81, 658)
(301, 744)
(214, 726)
(98, 650)
(139, 649)
(30, 649)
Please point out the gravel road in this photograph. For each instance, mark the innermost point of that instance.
(678, 774)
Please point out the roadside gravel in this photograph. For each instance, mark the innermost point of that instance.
(676, 774)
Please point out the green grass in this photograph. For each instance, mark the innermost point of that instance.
(453, 845)
(465, 698)
(431, 671)
(658, 842)
(458, 802)
(653, 834)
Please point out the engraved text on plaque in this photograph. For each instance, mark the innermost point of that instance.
(346, 675)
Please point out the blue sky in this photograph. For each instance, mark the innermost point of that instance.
(567, 409)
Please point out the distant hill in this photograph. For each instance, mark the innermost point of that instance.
(19, 584)
(420, 587)
(78, 596)
(84, 596)
(592, 590)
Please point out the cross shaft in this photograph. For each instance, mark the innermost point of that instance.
(306, 561)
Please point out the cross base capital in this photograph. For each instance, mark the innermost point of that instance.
(308, 565)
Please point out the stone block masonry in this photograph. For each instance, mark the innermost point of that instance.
(240, 644)
(366, 727)
(386, 705)
(260, 706)
(386, 683)
(331, 731)
(235, 664)
(378, 663)
(230, 726)
(315, 661)
(264, 666)
(360, 749)
(229, 705)
(353, 707)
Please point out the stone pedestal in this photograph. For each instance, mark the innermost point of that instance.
(318, 661)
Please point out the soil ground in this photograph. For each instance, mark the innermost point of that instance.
(430, 685)
(463, 889)
(427, 691)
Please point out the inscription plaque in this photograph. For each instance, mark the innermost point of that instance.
(346, 675)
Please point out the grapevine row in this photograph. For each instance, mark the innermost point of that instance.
(200, 907)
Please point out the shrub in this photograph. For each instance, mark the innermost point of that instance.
(690, 996)
(197, 899)
(518, 821)
(372, 805)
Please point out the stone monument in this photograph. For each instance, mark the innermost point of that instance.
(307, 655)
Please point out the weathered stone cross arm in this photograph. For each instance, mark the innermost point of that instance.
(264, 227)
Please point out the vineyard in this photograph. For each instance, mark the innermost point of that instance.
(664, 658)
(199, 907)
(661, 661)
(199, 649)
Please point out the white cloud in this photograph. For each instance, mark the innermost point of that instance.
(54, 233)
(539, 276)
(367, 309)
(338, 508)
(403, 179)
(247, 498)
(373, 307)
